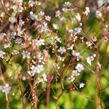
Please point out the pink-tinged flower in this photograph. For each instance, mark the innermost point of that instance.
(90, 59)
(35, 69)
(62, 50)
(79, 67)
(5, 88)
(47, 18)
(40, 42)
(76, 55)
(26, 54)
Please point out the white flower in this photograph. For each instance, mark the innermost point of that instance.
(44, 77)
(38, 3)
(33, 16)
(76, 55)
(2, 14)
(15, 52)
(62, 50)
(18, 40)
(61, 58)
(77, 30)
(31, 3)
(79, 67)
(67, 4)
(2, 53)
(35, 69)
(48, 18)
(12, 19)
(90, 59)
(75, 73)
(40, 58)
(98, 14)
(71, 47)
(55, 26)
(31, 73)
(78, 17)
(89, 44)
(5, 89)
(6, 45)
(40, 42)
(41, 13)
(44, 28)
(57, 39)
(58, 14)
(39, 68)
(87, 11)
(81, 85)
(20, 9)
(26, 54)
(21, 22)
(71, 78)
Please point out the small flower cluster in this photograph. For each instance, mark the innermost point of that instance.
(76, 72)
(5, 88)
(35, 69)
(47, 42)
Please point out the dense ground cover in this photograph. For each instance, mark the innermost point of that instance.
(54, 54)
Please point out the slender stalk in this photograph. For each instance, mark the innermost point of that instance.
(33, 93)
(7, 101)
(98, 86)
(50, 78)
(6, 95)
(22, 94)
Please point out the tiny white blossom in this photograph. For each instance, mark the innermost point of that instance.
(5, 88)
(55, 26)
(75, 73)
(79, 67)
(89, 44)
(77, 30)
(18, 40)
(57, 39)
(90, 59)
(26, 54)
(78, 17)
(71, 47)
(76, 55)
(48, 18)
(6, 45)
(81, 85)
(33, 16)
(61, 58)
(98, 14)
(12, 19)
(15, 52)
(58, 14)
(31, 3)
(62, 50)
(2, 14)
(38, 3)
(41, 13)
(35, 69)
(71, 78)
(40, 58)
(44, 77)
(2, 53)
(40, 42)
(87, 11)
